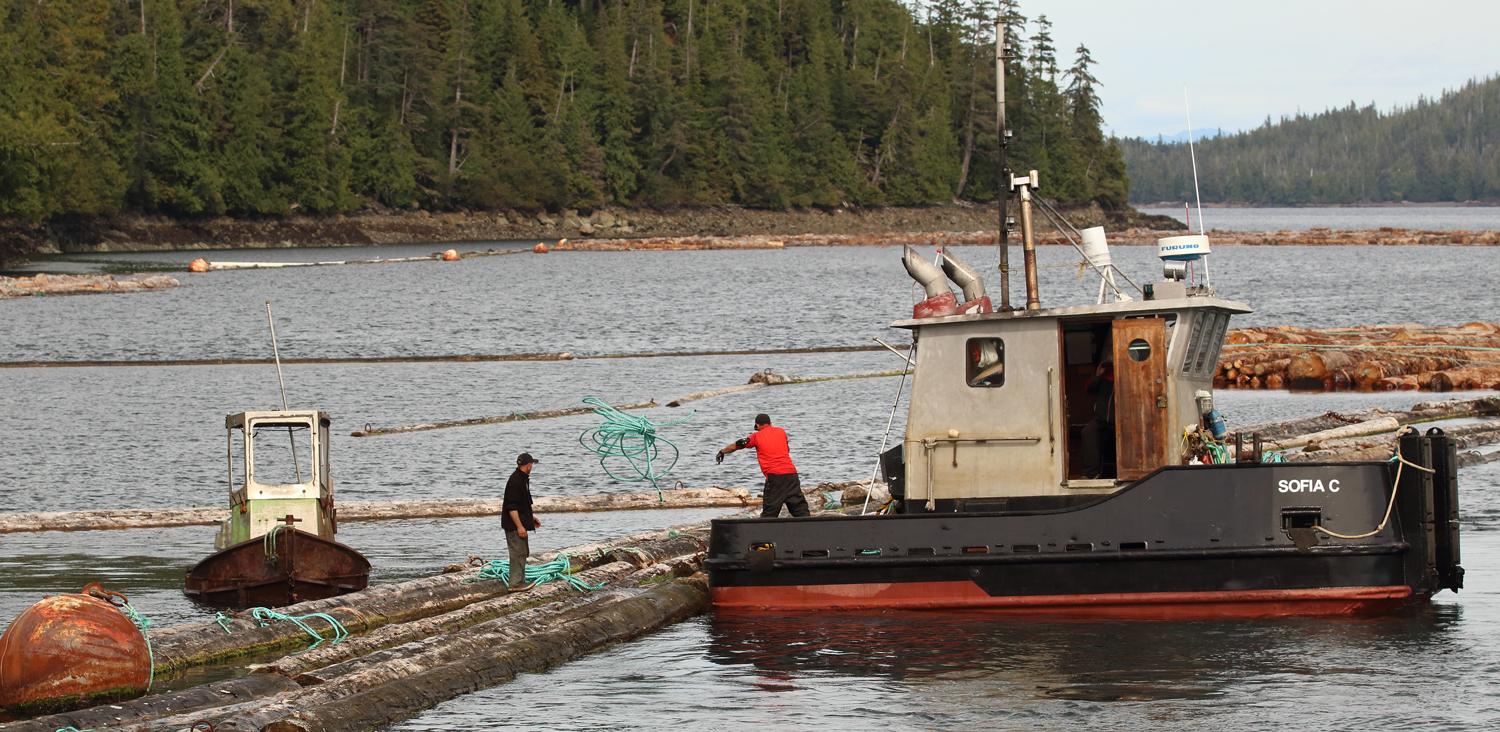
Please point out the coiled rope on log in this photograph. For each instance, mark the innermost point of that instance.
(560, 567)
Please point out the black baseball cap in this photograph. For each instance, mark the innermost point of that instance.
(525, 458)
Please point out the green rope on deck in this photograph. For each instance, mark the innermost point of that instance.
(632, 438)
(144, 623)
(1273, 457)
(559, 568)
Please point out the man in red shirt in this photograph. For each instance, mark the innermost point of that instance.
(782, 483)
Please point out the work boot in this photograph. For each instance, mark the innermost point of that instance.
(523, 587)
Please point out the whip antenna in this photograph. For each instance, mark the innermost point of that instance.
(277, 352)
(282, 382)
(1194, 156)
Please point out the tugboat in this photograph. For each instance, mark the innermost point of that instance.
(992, 507)
(278, 478)
(992, 510)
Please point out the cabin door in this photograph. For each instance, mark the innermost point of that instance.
(1140, 347)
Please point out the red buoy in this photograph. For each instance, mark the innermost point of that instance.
(69, 651)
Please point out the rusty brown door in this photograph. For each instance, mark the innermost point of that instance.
(1140, 347)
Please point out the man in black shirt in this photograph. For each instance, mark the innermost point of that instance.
(516, 519)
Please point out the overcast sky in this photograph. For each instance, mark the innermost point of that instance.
(1244, 60)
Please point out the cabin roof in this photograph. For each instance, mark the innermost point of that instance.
(269, 418)
(1114, 308)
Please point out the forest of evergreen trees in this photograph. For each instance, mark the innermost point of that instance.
(1444, 149)
(246, 107)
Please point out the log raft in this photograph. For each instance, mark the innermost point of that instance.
(1369, 358)
(434, 627)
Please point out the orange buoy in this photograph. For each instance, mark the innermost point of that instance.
(69, 651)
(450, 256)
(541, 248)
(198, 265)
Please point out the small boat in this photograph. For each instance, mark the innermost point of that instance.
(278, 478)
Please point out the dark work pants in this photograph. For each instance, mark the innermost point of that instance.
(1095, 436)
(520, 548)
(784, 488)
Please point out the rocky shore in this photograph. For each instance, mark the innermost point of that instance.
(131, 232)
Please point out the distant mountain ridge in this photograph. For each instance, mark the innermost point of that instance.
(1441, 149)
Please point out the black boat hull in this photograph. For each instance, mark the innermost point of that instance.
(1228, 540)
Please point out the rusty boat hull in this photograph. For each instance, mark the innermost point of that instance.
(298, 566)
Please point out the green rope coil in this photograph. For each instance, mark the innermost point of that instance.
(632, 438)
(559, 568)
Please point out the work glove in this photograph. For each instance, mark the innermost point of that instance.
(719, 457)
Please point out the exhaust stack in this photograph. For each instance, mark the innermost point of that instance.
(940, 300)
(926, 273)
(975, 301)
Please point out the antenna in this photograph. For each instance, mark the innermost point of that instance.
(1194, 155)
(277, 352)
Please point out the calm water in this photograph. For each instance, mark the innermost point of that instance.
(74, 438)
(1431, 218)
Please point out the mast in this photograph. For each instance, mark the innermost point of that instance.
(1002, 173)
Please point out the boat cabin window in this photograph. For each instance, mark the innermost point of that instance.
(281, 454)
(985, 359)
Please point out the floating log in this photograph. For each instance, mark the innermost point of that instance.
(369, 431)
(1466, 459)
(1422, 412)
(1381, 447)
(157, 706)
(1473, 377)
(632, 616)
(61, 284)
(713, 497)
(1371, 427)
(763, 378)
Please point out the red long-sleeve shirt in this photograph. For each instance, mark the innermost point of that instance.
(772, 451)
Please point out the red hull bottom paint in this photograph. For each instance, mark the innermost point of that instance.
(1143, 605)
